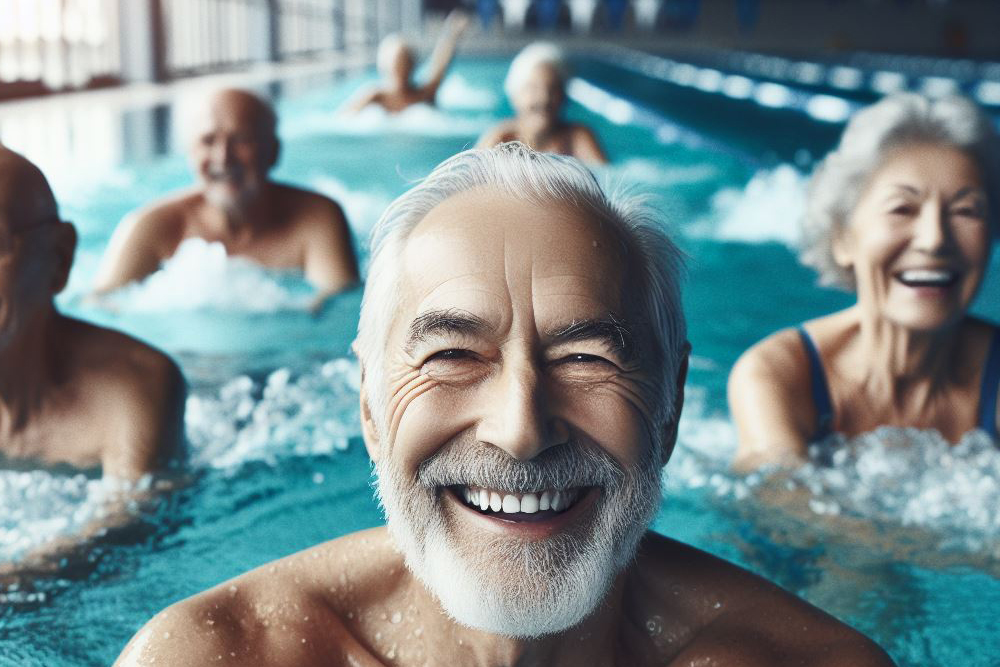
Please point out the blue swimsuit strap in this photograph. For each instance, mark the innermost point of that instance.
(818, 387)
(990, 389)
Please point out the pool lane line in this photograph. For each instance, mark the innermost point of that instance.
(621, 110)
(822, 107)
(879, 76)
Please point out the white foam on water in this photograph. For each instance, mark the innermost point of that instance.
(457, 92)
(307, 414)
(419, 119)
(312, 413)
(900, 476)
(37, 506)
(656, 173)
(201, 276)
(769, 208)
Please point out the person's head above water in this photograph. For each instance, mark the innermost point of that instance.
(536, 82)
(873, 138)
(395, 60)
(36, 247)
(233, 146)
(523, 342)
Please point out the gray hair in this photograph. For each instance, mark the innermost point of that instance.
(390, 45)
(530, 57)
(514, 170)
(899, 120)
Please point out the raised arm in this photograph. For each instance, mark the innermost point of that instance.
(444, 51)
(770, 403)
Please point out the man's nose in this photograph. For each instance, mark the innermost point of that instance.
(517, 418)
(933, 232)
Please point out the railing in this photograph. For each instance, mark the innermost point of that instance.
(48, 45)
(54, 44)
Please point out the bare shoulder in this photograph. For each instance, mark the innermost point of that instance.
(779, 358)
(166, 217)
(738, 618)
(115, 357)
(299, 610)
(309, 209)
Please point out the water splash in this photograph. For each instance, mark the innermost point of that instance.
(313, 413)
(288, 414)
(200, 276)
(769, 208)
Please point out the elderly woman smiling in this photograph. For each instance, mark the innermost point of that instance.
(903, 212)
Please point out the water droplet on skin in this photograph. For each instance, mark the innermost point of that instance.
(396, 617)
(271, 570)
(303, 640)
(717, 605)
(391, 654)
(418, 632)
(166, 635)
(654, 626)
(350, 614)
(232, 589)
(378, 636)
(210, 622)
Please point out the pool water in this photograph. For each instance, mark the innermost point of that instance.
(898, 537)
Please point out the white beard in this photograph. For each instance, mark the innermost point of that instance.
(515, 588)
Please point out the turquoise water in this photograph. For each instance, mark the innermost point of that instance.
(899, 537)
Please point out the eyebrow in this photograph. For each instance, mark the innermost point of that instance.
(450, 321)
(611, 330)
(964, 192)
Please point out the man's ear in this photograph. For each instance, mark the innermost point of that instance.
(368, 430)
(275, 153)
(670, 428)
(64, 249)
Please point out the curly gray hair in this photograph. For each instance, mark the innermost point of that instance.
(872, 134)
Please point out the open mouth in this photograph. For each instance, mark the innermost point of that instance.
(518, 506)
(941, 278)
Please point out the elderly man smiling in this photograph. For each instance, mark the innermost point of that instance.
(524, 357)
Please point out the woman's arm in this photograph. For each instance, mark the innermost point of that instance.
(771, 404)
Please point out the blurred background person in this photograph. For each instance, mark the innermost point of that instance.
(536, 87)
(236, 203)
(71, 394)
(396, 64)
(903, 212)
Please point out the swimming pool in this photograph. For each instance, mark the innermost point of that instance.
(903, 543)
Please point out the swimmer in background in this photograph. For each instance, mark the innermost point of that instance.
(396, 64)
(536, 87)
(236, 203)
(904, 213)
(71, 393)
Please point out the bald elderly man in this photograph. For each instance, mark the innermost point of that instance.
(524, 357)
(70, 392)
(236, 203)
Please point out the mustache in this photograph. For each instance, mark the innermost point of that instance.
(559, 467)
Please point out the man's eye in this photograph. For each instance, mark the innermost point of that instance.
(903, 209)
(450, 355)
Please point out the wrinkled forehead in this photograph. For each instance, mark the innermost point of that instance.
(490, 252)
(25, 195)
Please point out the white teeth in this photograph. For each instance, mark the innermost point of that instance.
(557, 501)
(529, 503)
(545, 502)
(511, 504)
(926, 276)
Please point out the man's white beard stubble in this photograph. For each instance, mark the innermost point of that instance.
(512, 587)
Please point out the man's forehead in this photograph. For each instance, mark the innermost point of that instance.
(479, 250)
